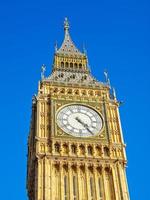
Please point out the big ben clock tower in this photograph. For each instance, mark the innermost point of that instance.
(75, 146)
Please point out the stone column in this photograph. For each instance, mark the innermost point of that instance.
(87, 180)
(96, 183)
(121, 182)
(117, 194)
(48, 183)
(125, 177)
(52, 180)
(44, 178)
(61, 182)
(36, 180)
(38, 119)
(124, 184)
(45, 117)
(70, 181)
(104, 183)
(39, 180)
(79, 183)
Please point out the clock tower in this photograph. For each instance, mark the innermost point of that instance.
(75, 146)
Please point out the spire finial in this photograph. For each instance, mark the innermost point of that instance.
(43, 69)
(84, 49)
(106, 77)
(66, 24)
(114, 93)
(56, 46)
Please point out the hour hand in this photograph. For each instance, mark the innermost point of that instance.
(78, 119)
(85, 125)
(81, 122)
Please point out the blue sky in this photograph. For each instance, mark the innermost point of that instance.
(116, 36)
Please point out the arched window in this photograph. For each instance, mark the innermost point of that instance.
(61, 75)
(71, 65)
(62, 91)
(73, 76)
(98, 93)
(57, 148)
(90, 92)
(55, 90)
(82, 149)
(76, 92)
(69, 91)
(73, 148)
(84, 92)
(90, 150)
(62, 64)
(98, 151)
(106, 151)
(66, 65)
(75, 65)
(80, 66)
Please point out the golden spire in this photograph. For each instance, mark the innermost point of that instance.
(68, 46)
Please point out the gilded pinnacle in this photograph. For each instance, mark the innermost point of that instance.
(66, 24)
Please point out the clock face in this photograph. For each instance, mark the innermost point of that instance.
(79, 121)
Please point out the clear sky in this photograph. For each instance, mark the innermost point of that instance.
(116, 35)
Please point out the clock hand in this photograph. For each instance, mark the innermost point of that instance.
(89, 130)
(81, 122)
(85, 125)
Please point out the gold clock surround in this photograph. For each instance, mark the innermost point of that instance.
(81, 111)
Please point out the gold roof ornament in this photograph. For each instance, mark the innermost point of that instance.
(114, 93)
(43, 69)
(66, 24)
(106, 77)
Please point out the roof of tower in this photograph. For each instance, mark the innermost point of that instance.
(68, 46)
(67, 75)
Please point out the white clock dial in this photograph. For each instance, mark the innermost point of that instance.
(79, 121)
